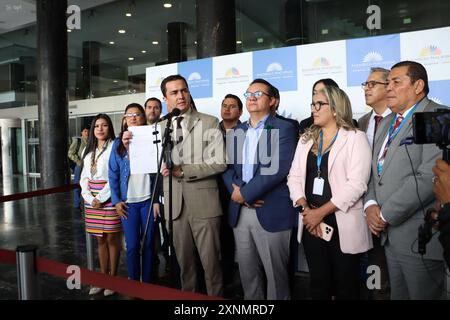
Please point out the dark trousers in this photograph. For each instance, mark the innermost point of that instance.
(77, 191)
(377, 257)
(332, 272)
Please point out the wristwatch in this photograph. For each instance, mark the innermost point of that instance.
(302, 208)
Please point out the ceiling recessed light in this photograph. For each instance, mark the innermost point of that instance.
(144, 51)
(115, 81)
(128, 14)
(155, 42)
(239, 42)
(121, 31)
(167, 5)
(131, 58)
(111, 42)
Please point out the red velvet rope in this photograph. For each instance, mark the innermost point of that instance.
(119, 284)
(37, 193)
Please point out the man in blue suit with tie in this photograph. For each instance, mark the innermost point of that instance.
(260, 153)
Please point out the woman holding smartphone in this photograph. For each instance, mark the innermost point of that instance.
(328, 176)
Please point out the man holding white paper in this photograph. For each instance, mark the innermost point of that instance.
(198, 156)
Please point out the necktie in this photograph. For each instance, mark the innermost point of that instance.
(179, 131)
(388, 143)
(377, 123)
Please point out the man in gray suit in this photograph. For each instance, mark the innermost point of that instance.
(401, 182)
(375, 94)
(198, 155)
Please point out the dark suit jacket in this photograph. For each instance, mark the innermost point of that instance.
(291, 121)
(308, 122)
(363, 122)
(269, 182)
(305, 124)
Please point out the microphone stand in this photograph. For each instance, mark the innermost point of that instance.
(166, 154)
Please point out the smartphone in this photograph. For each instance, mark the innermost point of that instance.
(327, 231)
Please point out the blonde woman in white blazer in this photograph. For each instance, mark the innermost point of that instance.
(328, 177)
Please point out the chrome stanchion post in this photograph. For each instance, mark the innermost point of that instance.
(89, 248)
(90, 252)
(27, 281)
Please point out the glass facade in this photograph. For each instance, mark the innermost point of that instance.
(117, 40)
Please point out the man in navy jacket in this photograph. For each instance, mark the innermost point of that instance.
(260, 152)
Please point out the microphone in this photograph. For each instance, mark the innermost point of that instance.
(407, 141)
(175, 112)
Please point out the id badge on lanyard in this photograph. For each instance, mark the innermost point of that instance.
(319, 182)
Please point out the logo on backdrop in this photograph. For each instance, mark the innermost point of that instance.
(232, 72)
(278, 66)
(430, 51)
(439, 92)
(199, 76)
(373, 56)
(432, 54)
(232, 75)
(321, 62)
(363, 54)
(320, 66)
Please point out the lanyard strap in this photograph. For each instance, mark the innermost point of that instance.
(392, 134)
(319, 151)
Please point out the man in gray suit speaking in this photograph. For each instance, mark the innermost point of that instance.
(400, 188)
(198, 156)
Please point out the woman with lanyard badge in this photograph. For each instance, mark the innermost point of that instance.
(328, 176)
(101, 218)
(130, 194)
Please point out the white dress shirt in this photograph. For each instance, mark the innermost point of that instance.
(101, 174)
(380, 154)
(371, 126)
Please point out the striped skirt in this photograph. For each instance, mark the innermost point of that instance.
(103, 220)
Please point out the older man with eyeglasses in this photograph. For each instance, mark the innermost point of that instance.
(375, 94)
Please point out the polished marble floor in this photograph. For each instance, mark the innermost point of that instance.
(57, 229)
(51, 223)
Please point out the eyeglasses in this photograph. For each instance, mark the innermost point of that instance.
(318, 105)
(130, 115)
(256, 94)
(371, 84)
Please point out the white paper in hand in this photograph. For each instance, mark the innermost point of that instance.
(143, 152)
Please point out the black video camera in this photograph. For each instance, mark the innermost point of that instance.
(425, 231)
(431, 127)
